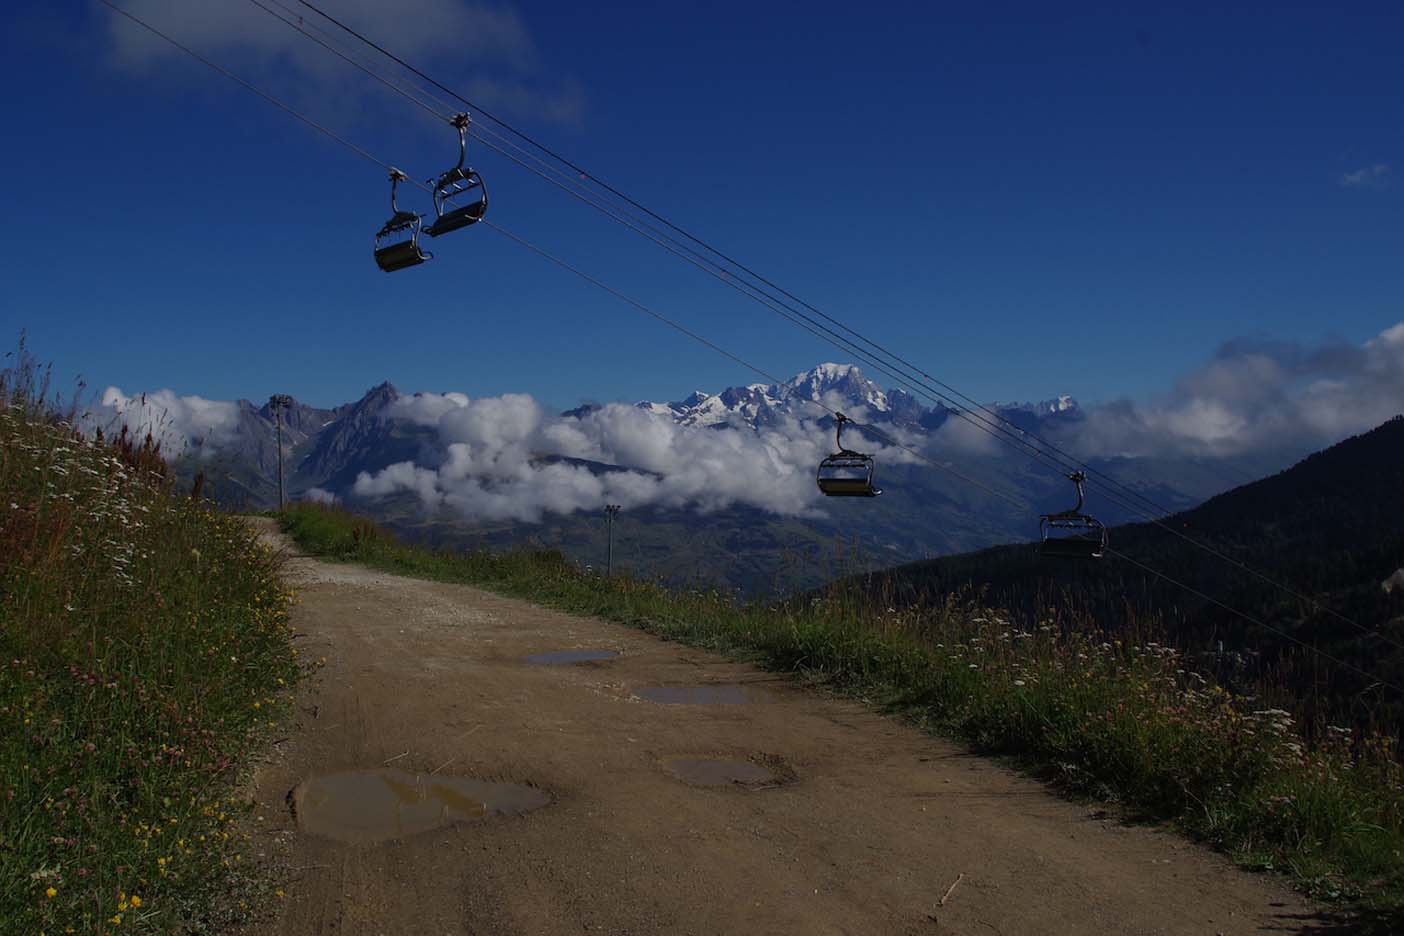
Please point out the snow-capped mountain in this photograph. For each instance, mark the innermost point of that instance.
(1059, 404)
(837, 386)
(335, 446)
(923, 512)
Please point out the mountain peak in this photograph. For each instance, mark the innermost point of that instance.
(828, 372)
(384, 388)
(845, 379)
(1059, 404)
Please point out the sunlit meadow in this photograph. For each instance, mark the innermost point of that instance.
(144, 651)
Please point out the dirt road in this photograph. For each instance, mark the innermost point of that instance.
(844, 822)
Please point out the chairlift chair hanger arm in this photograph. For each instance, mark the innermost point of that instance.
(455, 182)
(401, 253)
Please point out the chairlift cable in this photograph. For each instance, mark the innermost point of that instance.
(977, 414)
(1372, 677)
(1112, 493)
(957, 407)
(249, 86)
(873, 430)
(388, 167)
(345, 57)
(686, 253)
(589, 176)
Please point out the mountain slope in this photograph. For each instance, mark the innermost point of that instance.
(1329, 527)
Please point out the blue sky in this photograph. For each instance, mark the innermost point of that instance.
(1025, 200)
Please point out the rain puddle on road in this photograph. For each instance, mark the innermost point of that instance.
(570, 657)
(700, 695)
(719, 772)
(374, 805)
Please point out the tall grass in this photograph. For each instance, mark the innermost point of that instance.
(144, 648)
(1127, 721)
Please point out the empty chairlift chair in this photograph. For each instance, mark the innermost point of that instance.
(397, 242)
(458, 183)
(1071, 534)
(846, 473)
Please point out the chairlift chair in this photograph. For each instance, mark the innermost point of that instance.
(398, 250)
(846, 473)
(1071, 534)
(455, 183)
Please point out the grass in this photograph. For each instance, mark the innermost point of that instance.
(1124, 721)
(144, 653)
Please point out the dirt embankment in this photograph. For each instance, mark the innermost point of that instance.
(822, 818)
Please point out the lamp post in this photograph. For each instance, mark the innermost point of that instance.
(610, 511)
(277, 403)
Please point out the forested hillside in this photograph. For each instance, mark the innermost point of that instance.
(1330, 528)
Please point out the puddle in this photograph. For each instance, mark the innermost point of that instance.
(570, 657)
(719, 772)
(374, 805)
(699, 695)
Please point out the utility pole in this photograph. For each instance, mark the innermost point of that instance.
(610, 511)
(277, 403)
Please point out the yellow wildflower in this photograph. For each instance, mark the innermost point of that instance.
(51, 892)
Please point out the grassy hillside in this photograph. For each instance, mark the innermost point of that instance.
(1130, 721)
(144, 651)
(1330, 527)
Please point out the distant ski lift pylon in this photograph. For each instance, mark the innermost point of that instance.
(397, 242)
(455, 183)
(846, 473)
(1072, 534)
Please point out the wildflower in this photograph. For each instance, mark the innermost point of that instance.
(51, 893)
(136, 901)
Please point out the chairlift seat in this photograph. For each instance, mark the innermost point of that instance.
(1071, 547)
(1072, 536)
(455, 183)
(399, 256)
(457, 218)
(847, 487)
(847, 474)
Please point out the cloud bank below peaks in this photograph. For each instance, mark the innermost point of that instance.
(182, 424)
(1256, 395)
(505, 458)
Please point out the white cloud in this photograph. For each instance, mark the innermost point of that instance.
(179, 423)
(486, 49)
(959, 436)
(505, 458)
(1257, 395)
(1369, 175)
(425, 409)
(413, 29)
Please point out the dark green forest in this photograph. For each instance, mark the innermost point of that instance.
(1330, 529)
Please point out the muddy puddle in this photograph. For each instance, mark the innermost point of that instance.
(720, 772)
(375, 805)
(700, 695)
(570, 657)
